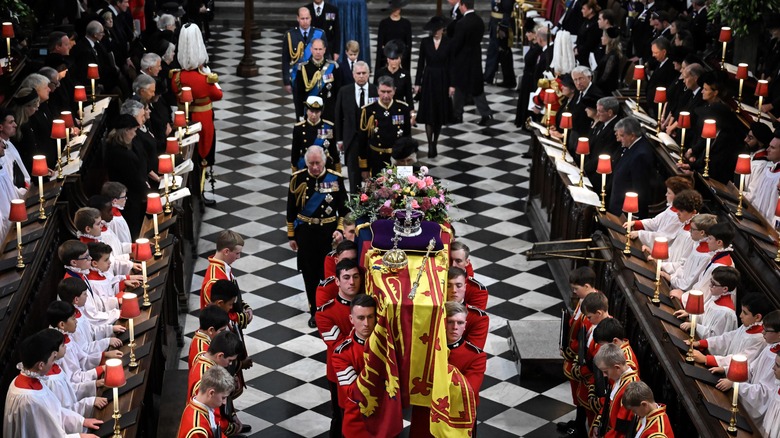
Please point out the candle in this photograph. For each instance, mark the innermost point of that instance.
(40, 186)
(19, 233)
(132, 332)
(156, 230)
(693, 326)
(165, 177)
(603, 180)
(143, 270)
(736, 394)
(59, 150)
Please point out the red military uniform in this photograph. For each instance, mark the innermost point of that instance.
(628, 352)
(617, 416)
(330, 264)
(655, 425)
(476, 294)
(219, 270)
(200, 343)
(334, 325)
(195, 422)
(205, 90)
(471, 361)
(200, 365)
(327, 290)
(348, 363)
(577, 324)
(477, 326)
(586, 389)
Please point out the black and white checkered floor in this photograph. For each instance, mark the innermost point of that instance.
(287, 391)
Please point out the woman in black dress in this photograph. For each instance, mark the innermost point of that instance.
(607, 74)
(392, 28)
(432, 83)
(394, 52)
(125, 166)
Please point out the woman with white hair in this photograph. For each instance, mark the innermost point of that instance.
(195, 74)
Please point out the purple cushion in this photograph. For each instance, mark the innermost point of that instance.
(382, 233)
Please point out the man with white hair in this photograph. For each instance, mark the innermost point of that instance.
(196, 74)
(316, 206)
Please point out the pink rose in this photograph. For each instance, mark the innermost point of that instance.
(413, 179)
(429, 181)
(424, 170)
(363, 197)
(435, 201)
(396, 187)
(420, 184)
(386, 204)
(415, 204)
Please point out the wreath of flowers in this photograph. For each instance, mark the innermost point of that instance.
(388, 191)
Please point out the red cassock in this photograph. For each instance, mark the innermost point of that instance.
(628, 352)
(215, 271)
(476, 294)
(619, 417)
(195, 422)
(200, 365)
(333, 324)
(204, 91)
(656, 425)
(137, 11)
(577, 323)
(477, 326)
(586, 388)
(348, 362)
(326, 290)
(200, 343)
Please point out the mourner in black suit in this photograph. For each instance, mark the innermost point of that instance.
(663, 76)
(350, 100)
(499, 50)
(466, 67)
(602, 136)
(633, 167)
(455, 15)
(325, 16)
(587, 92)
(537, 60)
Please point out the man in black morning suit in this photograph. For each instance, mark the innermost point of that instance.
(602, 136)
(325, 16)
(663, 75)
(348, 107)
(587, 94)
(466, 66)
(454, 15)
(633, 167)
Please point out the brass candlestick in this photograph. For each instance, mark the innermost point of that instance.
(689, 356)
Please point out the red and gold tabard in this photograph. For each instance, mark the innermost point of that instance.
(200, 344)
(617, 416)
(204, 91)
(655, 425)
(195, 422)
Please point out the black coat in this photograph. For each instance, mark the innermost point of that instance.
(329, 22)
(127, 167)
(433, 76)
(633, 172)
(466, 66)
(663, 76)
(393, 30)
(588, 39)
(602, 141)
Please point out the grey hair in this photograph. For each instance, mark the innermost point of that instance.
(609, 103)
(629, 125)
(131, 107)
(413, 156)
(387, 81)
(609, 355)
(142, 81)
(315, 149)
(583, 70)
(35, 80)
(149, 60)
(93, 27)
(363, 64)
(165, 20)
(49, 73)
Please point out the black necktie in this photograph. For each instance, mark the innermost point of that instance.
(319, 10)
(351, 65)
(362, 97)
(305, 35)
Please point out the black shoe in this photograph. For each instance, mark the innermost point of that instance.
(312, 322)
(208, 202)
(245, 428)
(485, 120)
(528, 155)
(564, 427)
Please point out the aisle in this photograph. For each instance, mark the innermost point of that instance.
(287, 394)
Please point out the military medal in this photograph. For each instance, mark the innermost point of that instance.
(328, 198)
(386, 113)
(329, 210)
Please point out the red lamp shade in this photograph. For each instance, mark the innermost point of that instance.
(115, 374)
(186, 95)
(743, 165)
(142, 250)
(660, 95)
(709, 129)
(39, 167)
(8, 30)
(695, 303)
(684, 120)
(583, 146)
(164, 164)
(18, 211)
(58, 128)
(660, 248)
(742, 71)
(738, 368)
(153, 204)
(605, 165)
(79, 93)
(639, 72)
(92, 71)
(762, 88)
(171, 145)
(129, 308)
(549, 96)
(566, 121)
(178, 120)
(725, 34)
(631, 202)
(67, 117)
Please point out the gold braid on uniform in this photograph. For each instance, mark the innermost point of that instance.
(367, 125)
(299, 192)
(175, 74)
(295, 54)
(315, 78)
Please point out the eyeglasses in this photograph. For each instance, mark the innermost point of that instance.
(86, 257)
(714, 284)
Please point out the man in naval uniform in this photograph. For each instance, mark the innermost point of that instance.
(316, 206)
(296, 48)
(314, 131)
(317, 77)
(382, 123)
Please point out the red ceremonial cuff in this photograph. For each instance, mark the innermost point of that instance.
(711, 362)
(703, 344)
(637, 226)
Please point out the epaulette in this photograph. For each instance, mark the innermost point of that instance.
(330, 254)
(327, 281)
(476, 309)
(300, 171)
(473, 347)
(212, 78)
(401, 102)
(301, 123)
(343, 345)
(172, 72)
(481, 286)
(334, 172)
(328, 122)
(322, 307)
